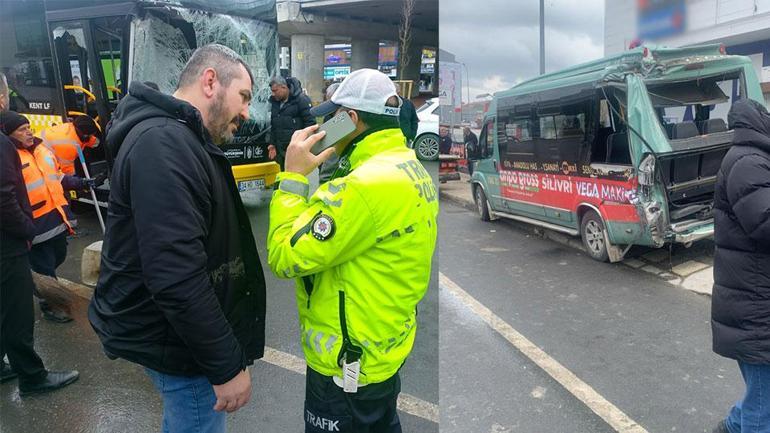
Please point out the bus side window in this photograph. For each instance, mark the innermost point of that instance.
(27, 62)
(70, 44)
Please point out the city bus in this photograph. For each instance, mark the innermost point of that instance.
(64, 59)
(621, 151)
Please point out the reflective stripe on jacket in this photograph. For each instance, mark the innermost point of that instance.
(63, 141)
(42, 177)
(370, 235)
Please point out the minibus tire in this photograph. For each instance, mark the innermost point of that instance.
(482, 206)
(592, 230)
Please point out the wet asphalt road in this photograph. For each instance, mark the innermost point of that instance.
(116, 396)
(641, 343)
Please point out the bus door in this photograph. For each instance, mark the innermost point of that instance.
(518, 152)
(88, 54)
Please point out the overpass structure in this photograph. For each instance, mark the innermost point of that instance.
(307, 25)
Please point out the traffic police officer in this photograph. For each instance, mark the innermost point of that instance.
(360, 249)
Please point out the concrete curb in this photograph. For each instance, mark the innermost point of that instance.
(471, 206)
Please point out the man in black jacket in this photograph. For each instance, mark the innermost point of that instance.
(740, 305)
(16, 310)
(407, 117)
(290, 111)
(471, 148)
(181, 290)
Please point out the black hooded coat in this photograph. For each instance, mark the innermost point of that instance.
(289, 116)
(740, 303)
(181, 288)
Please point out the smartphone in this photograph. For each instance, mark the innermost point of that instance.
(337, 128)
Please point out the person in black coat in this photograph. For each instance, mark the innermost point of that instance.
(471, 148)
(740, 304)
(289, 112)
(17, 319)
(181, 289)
(407, 118)
(444, 141)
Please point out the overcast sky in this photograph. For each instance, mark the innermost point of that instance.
(498, 40)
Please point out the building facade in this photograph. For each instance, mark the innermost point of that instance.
(743, 26)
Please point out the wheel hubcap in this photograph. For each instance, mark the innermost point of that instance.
(479, 202)
(594, 236)
(428, 147)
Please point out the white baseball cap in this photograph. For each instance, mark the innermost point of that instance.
(364, 90)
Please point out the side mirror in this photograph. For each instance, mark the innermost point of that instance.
(647, 170)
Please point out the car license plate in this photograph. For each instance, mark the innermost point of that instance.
(251, 185)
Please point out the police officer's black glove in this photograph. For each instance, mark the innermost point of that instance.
(100, 178)
(87, 184)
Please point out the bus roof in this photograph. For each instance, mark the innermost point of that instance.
(261, 9)
(644, 58)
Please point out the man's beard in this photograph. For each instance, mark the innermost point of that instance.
(219, 121)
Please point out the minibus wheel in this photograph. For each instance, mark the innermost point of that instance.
(592, 231)
(481, 203)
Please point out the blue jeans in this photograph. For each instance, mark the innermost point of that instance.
(752, 413)
(188, 404)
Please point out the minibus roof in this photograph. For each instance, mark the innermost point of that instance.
(653, 61)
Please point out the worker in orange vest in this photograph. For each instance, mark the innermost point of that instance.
(51, 215)
(63, 140)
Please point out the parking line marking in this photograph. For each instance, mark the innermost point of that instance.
(607, 411)
(406, 402)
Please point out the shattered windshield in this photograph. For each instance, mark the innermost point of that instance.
(161, 47)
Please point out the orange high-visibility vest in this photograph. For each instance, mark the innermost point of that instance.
(42, 177)
(63, 142)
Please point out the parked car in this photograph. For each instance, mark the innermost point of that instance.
(425, 143)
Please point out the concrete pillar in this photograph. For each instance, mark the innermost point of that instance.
(307, 64)
(413, 68)
(365, 52)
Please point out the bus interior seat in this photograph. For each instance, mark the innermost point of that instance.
(617, 149)
(599, 147)
(669, 128)
(685, 130)
(711, 126)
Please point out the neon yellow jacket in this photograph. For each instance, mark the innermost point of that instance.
(369, 234)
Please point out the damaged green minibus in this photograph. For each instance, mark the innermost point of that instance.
(621, 151)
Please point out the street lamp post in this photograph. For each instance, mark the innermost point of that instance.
(467, 91)
(542, 37)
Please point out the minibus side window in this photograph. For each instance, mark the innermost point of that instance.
(561, 133)
(488, 146)
(604, 128)
(515, 139)
(485, 144)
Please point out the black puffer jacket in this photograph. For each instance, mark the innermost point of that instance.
(17, 228)
(292, 116)
(740, 305)
(181, 288)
